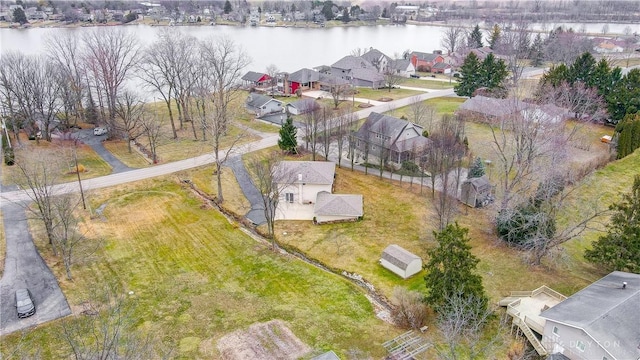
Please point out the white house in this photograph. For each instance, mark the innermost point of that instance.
(261, 105)
(400, 261)
(403, 67)
(306, 194)
(601, 321)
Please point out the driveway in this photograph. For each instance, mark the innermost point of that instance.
(87, 137)
(256, 214)
(24, 268)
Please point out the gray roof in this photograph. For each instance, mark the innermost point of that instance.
(338, 204)
(605, 311)
(309, 172)
(253, 76)
(351, 62)
(398, 256)
(304, 76)
(329, 355)
(479, 183)
(425, 56)
(384, 124)
(367, 74)
(441, 65)
(257, 100)
(400, 64)
(329, 79)
(304, 104)
(493, 107)
(374, 55)
(414, 143)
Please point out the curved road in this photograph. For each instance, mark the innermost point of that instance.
(25, 268)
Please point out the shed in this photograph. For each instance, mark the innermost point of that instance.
(329, 355)
(400, 261)
(476, 192)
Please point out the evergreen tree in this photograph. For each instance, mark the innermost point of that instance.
(451, 270)
(475, 38)
(624, 98)
(604, 77)
(582, 69)
(327, 10)
(493, 72)
(384, 13)
(19, 16)
(620, 248)
(494, 37)
(476, 169)
(345, 15)
(227, 7)
(288, 141)
(628, 135)
(537, 51)
(468, 81)
(555, 76)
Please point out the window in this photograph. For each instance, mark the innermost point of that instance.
(555, 330)
(289, 197)
(580, 345)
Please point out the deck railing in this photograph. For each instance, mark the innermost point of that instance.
(533, 339)
(544, 289)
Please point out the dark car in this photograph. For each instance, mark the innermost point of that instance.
(24, 303)
(415, 76)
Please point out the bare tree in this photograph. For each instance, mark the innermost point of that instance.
(272, 71)
(311, 121)
(462, 326)
(67, 234)
(452, 38)
(225, 61)
(344, 126)
(392, 76)
(326, 132)
(409, 309)
(129, 109)
(64, 50)
(152, 129)
(422, 114)
(271, 180)
(514, 43)
(9, 66)
(164, 63)
(105, 329)
(111, 54)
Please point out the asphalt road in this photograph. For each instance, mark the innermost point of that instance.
(24, 268)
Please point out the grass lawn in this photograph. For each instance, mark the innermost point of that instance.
(196, 277)
(394, 94)
(427, 84)
(120, 150)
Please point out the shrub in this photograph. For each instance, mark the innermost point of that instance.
(9, 156)
(409, 312)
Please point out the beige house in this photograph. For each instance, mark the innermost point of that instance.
(400, 261)
(307, 195)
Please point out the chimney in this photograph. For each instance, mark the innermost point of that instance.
(624, 284)
(285, 85)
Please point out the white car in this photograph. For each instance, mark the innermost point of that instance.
(99, 131)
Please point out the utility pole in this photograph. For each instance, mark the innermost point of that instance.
(75, 159)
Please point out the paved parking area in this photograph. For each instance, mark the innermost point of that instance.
(24, 268)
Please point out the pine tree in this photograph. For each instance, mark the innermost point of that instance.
(288, 141)
(19, 16)
(537, 51)
(493, 72)
(227, 7)
(476, 169)
(494, 37)
(629, 135)
(475, 38)
(452, 268)
(468, 81)
(620, 248)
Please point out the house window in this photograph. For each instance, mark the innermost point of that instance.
(580, 345)
(555, 330)
(289, 197)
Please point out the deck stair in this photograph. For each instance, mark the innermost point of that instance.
(533, 339)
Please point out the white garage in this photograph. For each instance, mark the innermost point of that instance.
(400, 261)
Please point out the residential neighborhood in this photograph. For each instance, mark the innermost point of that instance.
(169, 192)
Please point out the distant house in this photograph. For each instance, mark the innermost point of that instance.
(456, 59)
(378, 59)
(425, 61)
(441, 68)
(303, 79)
(256, 79)
(403, 67)
(307, 194)
(302, 106)
(486, 109)
(476, 192)
(370, 78)
(601, 321)
(607, 46)
(344, 67)
(261, 105)
(400, 261)
(393, 139)
(337, 207)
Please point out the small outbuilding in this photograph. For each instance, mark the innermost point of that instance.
(400, 261)
(476, 192)
(329, 355)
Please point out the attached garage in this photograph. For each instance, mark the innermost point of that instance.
(400, 261)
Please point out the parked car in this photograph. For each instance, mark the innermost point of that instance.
(99, 131)
(24, 303)
(415, 76)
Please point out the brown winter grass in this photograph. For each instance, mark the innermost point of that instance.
(120, 150)
(394, 94)
(195, 277)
